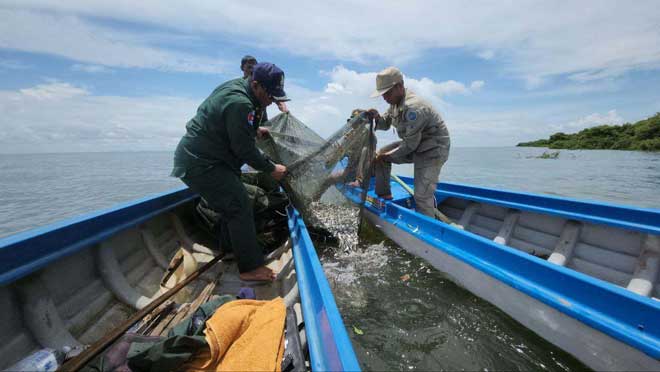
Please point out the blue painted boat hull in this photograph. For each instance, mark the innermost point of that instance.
(563, 268)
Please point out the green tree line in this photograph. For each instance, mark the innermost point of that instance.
(644, 135)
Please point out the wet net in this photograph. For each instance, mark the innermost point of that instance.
(315, 164)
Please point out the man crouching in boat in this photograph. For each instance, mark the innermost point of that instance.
(218, 141)
(424, 139)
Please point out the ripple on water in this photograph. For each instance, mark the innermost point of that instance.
(413, 317)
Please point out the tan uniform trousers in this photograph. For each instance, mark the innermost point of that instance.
(426, 173)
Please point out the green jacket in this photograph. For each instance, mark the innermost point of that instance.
(222, 133)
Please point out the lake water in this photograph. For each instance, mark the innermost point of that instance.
(410, 316)
(37, 189)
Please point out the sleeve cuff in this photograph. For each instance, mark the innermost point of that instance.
(270, 167)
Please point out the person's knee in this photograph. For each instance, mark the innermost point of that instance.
(238, 206)
(424, 189)
(423, 201)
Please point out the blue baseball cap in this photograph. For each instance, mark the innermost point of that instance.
(271, 78)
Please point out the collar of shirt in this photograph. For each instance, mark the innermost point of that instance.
(251, 95)
(401, 107)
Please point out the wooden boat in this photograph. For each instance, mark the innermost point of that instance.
(583, 275)
(68, 284)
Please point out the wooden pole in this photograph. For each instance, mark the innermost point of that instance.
(80, 360)
(439, 215)
(366, 180)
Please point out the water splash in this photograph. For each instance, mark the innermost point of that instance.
(411, 316)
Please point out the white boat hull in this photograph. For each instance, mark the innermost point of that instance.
(592, 347)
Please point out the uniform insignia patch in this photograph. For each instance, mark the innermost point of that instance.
(411, 115)
(250, 118)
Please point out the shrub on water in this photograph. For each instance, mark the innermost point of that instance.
(643, 135)
(650, 145)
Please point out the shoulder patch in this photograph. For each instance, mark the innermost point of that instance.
(250, 118)
(411, 115)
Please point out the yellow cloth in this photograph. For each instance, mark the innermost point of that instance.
(244, 335)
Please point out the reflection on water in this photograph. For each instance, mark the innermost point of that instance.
(413, 318)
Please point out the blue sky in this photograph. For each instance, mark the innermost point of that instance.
(125, 75)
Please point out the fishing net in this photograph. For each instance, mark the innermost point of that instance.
(315, 164)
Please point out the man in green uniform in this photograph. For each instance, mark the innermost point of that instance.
(247, 64)
(218, 141)
(424, 139)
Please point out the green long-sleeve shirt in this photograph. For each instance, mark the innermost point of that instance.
(222, 133)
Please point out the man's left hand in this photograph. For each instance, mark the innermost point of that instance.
(282, 106)
(373, 114)
(263, 133)
(383, 157)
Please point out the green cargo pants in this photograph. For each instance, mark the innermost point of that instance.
(258, 185)
(225, 193)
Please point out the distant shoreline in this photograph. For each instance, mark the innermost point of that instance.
(644, 135)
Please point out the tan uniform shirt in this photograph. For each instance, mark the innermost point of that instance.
(424, 135)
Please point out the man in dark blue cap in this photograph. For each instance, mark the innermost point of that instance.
(247, 65)
(218, 141)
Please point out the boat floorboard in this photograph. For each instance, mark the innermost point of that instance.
(86, 295)
(608, 253)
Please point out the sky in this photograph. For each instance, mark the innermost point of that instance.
(84, 75)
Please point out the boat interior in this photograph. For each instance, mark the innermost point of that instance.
(624, 257)
(79, 299)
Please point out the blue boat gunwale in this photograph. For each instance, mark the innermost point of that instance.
(26, 252)
(320, 311)
(635, 324)
(628, 217)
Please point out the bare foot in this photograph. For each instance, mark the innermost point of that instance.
(355, 183)
(386, 197)
(260, 274)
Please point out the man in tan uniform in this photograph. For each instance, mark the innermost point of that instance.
(424, 139)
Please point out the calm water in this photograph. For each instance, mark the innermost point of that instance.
(411, 317)
(37, 189)
(621, 177)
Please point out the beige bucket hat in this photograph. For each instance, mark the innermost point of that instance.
(386, 79)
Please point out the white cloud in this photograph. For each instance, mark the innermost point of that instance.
(327, 110)
(533, 81)
(75, 38)
(535, 39)
(53, 91)
(610, 118)
(486, 54)
(477, 85)
(72, 118)
(345, 81)
(58, 116)
(578, 89)
(92, 69)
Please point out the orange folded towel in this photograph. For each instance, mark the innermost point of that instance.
(244, 335)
